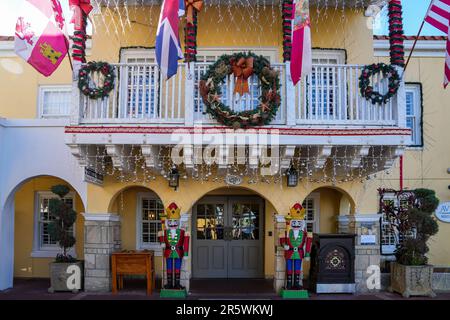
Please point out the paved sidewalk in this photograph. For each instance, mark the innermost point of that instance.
(36, 289)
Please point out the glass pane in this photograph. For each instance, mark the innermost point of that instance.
(245, 221)
(210, 221)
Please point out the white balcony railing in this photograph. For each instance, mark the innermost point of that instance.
(328, 96)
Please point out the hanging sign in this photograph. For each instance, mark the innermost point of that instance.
(443, 212)
(92, 176)
(233, 180)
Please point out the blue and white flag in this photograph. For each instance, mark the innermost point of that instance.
(168, 49)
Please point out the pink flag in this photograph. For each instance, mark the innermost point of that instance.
(301, 58)
(438, 16)
(40, 35)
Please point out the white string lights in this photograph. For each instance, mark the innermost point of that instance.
(337, 167)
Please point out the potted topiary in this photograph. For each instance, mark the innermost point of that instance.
(65, 272)
(412, 223)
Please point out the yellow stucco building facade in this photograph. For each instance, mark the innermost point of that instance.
(340, 38)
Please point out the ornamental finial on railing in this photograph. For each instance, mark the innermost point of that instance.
(396, 36)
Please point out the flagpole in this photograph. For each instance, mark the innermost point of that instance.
(414, 45)
(68, 54)
(417, 37)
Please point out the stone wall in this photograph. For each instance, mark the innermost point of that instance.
(367, 253)
(280, 266)
(101, 238)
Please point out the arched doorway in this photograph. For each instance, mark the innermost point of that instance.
(228, 235)
(323, 206)
(27, 247)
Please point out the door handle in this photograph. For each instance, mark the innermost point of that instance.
(228, 233)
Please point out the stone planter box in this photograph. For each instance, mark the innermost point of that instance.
(411, 280)
(66, 276)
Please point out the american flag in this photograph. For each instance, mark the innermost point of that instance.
(168, 49)
(438, 16)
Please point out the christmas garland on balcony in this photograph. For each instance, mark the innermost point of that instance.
(242, 66)
(85, 80)
(368, 92)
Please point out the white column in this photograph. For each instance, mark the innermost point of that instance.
(189, 94)
(75, 108)
(7, 244)
(400, 100)
(290, 97)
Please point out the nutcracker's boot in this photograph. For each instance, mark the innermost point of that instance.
(289, 282)
(177, 281)
(297, 284)
(169, 284)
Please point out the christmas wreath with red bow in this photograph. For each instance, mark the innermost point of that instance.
(367, 90)
(85, 79)
(241, 66)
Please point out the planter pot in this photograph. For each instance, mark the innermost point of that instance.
(411, 280)
(66, 276)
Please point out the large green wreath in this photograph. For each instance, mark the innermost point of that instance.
(367, 90)
(84, 79)
(215, 76)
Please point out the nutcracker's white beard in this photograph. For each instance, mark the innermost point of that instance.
(297, 225)
(172, 224)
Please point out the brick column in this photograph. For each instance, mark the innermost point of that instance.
(366, 254)
(101, 238)
(280, 265)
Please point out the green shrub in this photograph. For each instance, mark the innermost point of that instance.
(64, 218)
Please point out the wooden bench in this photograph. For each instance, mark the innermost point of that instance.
(133, 263)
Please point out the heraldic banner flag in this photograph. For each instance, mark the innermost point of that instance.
(168, 49)
(301, 57)
(40, 37)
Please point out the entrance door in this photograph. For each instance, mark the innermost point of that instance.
(227, 239)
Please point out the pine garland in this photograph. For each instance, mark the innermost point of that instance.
(396, 35)
(215, 77)
(287, 13)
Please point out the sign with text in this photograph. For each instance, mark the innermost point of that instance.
(92, 176)
(443, 212)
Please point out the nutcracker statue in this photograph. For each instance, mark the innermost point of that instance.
(175, 242)
(297, 245)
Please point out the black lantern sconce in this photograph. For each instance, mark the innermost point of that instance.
(174, 178)
(291, 177)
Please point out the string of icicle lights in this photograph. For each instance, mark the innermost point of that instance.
(223, 23)
(337, 168)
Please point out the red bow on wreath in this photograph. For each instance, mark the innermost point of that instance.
(79, 7)
(242, 70)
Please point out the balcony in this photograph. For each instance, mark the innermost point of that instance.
(329, 96)
(321, 119)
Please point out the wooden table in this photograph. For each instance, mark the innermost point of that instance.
(133, 263)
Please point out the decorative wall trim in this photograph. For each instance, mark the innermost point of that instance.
(221, 130)
(424, 48)
(360, 218)
(101, 217)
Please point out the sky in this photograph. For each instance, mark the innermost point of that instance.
(414, 12)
